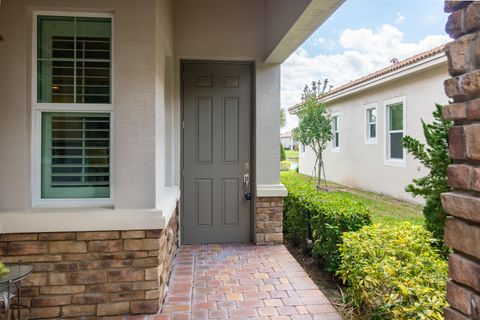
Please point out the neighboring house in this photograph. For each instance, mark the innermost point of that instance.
(126, 125)
(287, 141)
(371, 115)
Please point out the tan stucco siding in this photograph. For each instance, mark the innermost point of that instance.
(149, 41)
(14, 113)
(134, 96)
(362, 165)
(235, 30)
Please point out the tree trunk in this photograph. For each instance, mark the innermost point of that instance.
(320, 165)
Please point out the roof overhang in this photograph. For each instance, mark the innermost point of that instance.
(315, 14)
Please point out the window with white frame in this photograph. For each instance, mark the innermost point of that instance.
(395, 131)
(73, 108)
(371, 124)
(335, 132)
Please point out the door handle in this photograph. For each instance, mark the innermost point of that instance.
(246, 185)
(246, 181)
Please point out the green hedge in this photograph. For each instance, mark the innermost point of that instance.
(330, 216)
(393, 272)
(283, 156)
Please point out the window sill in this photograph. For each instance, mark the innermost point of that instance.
(90, 219)
(72, 203)
(396, 163)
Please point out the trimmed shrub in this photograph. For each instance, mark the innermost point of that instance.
(283, 156)
(393, 272)
(285, 165)
(328, 215)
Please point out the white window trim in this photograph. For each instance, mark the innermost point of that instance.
(402, 163)
(366, 124)
(336, 149)
(39, 108)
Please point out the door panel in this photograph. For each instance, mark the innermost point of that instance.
(203, 202)
(230, 202)
(204, 130)
(230, 132)
(216, 152)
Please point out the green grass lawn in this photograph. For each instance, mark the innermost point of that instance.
(291, 154)
(384, 209)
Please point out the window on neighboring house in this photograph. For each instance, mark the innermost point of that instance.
(395, 131)
(371, 124)
(302, 148)
(73, 110)
(336, 133)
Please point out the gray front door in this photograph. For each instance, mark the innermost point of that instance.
(216, 152)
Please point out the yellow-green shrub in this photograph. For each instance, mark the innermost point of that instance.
(393, 272)
(285, 165)
(330, 216)
(3, 269)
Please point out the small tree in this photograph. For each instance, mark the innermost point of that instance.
(283, 123)
(315, 126)
(434, 156)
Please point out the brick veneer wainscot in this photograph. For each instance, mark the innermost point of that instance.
(462, 229)
(93, 273)
(269, 221)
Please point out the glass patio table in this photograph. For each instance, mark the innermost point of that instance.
(10, 282)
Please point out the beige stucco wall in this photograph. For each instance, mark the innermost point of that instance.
(150, 38)
(139, 96)
(14, 113)
(240, 37)
(362, 165)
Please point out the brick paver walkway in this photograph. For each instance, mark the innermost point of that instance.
(242, 282)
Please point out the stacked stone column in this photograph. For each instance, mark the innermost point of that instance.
(269, 221)
(462, 229)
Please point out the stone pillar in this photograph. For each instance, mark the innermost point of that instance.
(269, 221)
(462, 229)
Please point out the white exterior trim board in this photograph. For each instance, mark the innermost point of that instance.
(336, 149)
(366, 127)
(271, 190)
(402, 163)
(37, 108)
(390, 76)
(91, 219)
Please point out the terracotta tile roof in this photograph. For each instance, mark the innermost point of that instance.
(400, 64)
